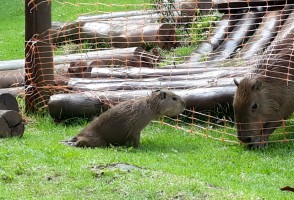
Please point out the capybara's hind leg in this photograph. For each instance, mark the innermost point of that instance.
(90, 142)
(134, 140)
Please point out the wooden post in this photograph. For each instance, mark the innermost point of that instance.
(39, 74)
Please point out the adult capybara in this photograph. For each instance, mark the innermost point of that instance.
(266, 98)
(122, 124)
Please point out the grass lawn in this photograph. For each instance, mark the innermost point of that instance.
(172, 164)
(12, 30)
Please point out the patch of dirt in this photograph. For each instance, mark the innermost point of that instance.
(113, 168)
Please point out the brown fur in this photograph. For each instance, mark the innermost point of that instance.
(122, 124)
(263, 100)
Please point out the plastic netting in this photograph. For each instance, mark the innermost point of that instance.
(112, 52)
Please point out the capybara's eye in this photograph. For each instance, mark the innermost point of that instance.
(174, 98)
(254, 106)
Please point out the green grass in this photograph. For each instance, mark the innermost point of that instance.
(175, 164)
(12, 30)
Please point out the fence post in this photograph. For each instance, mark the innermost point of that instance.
(39, 75)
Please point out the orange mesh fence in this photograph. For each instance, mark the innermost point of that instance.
(105, 53)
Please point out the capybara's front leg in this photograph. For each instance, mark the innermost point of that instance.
(136, 140)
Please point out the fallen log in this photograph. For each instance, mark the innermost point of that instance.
(220, 32)
(65, 106)
(117, 18)
(180, 10)
(8, 102)
(220, 77)
(277, 60)
(115, 15)
(207, 64)
(285, 31)
(240, 34)
(89, 104)
(15, 79)
(11, 78)
(120, 35)
(138, 73)
(134, 56)
(223, 5)
(130, 35)
(263, 36)
(11, 124)
(139, 85)
(16, 91)
(12, 64)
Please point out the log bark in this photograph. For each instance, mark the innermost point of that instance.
(220, 77)
(12, 64)
(8, 102)
(10, 124)
(120, 35)
(117, 15)
(89, 104)
(225, 4)
(135, 56)
(181, 10)
(138, 17)
(138, 73)
(16, 91)
(278, 61)
(263, 36)
(130, 35)
(11, 78)
(15, 79)
(220, 32)
(240, 34)
(65, 106)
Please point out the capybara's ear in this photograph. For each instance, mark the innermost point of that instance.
(236, 82)
(257, 85)
(162, 94)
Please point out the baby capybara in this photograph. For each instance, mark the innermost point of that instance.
(122, 124)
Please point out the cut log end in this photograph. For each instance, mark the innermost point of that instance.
(11, 124)
(8, 102)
